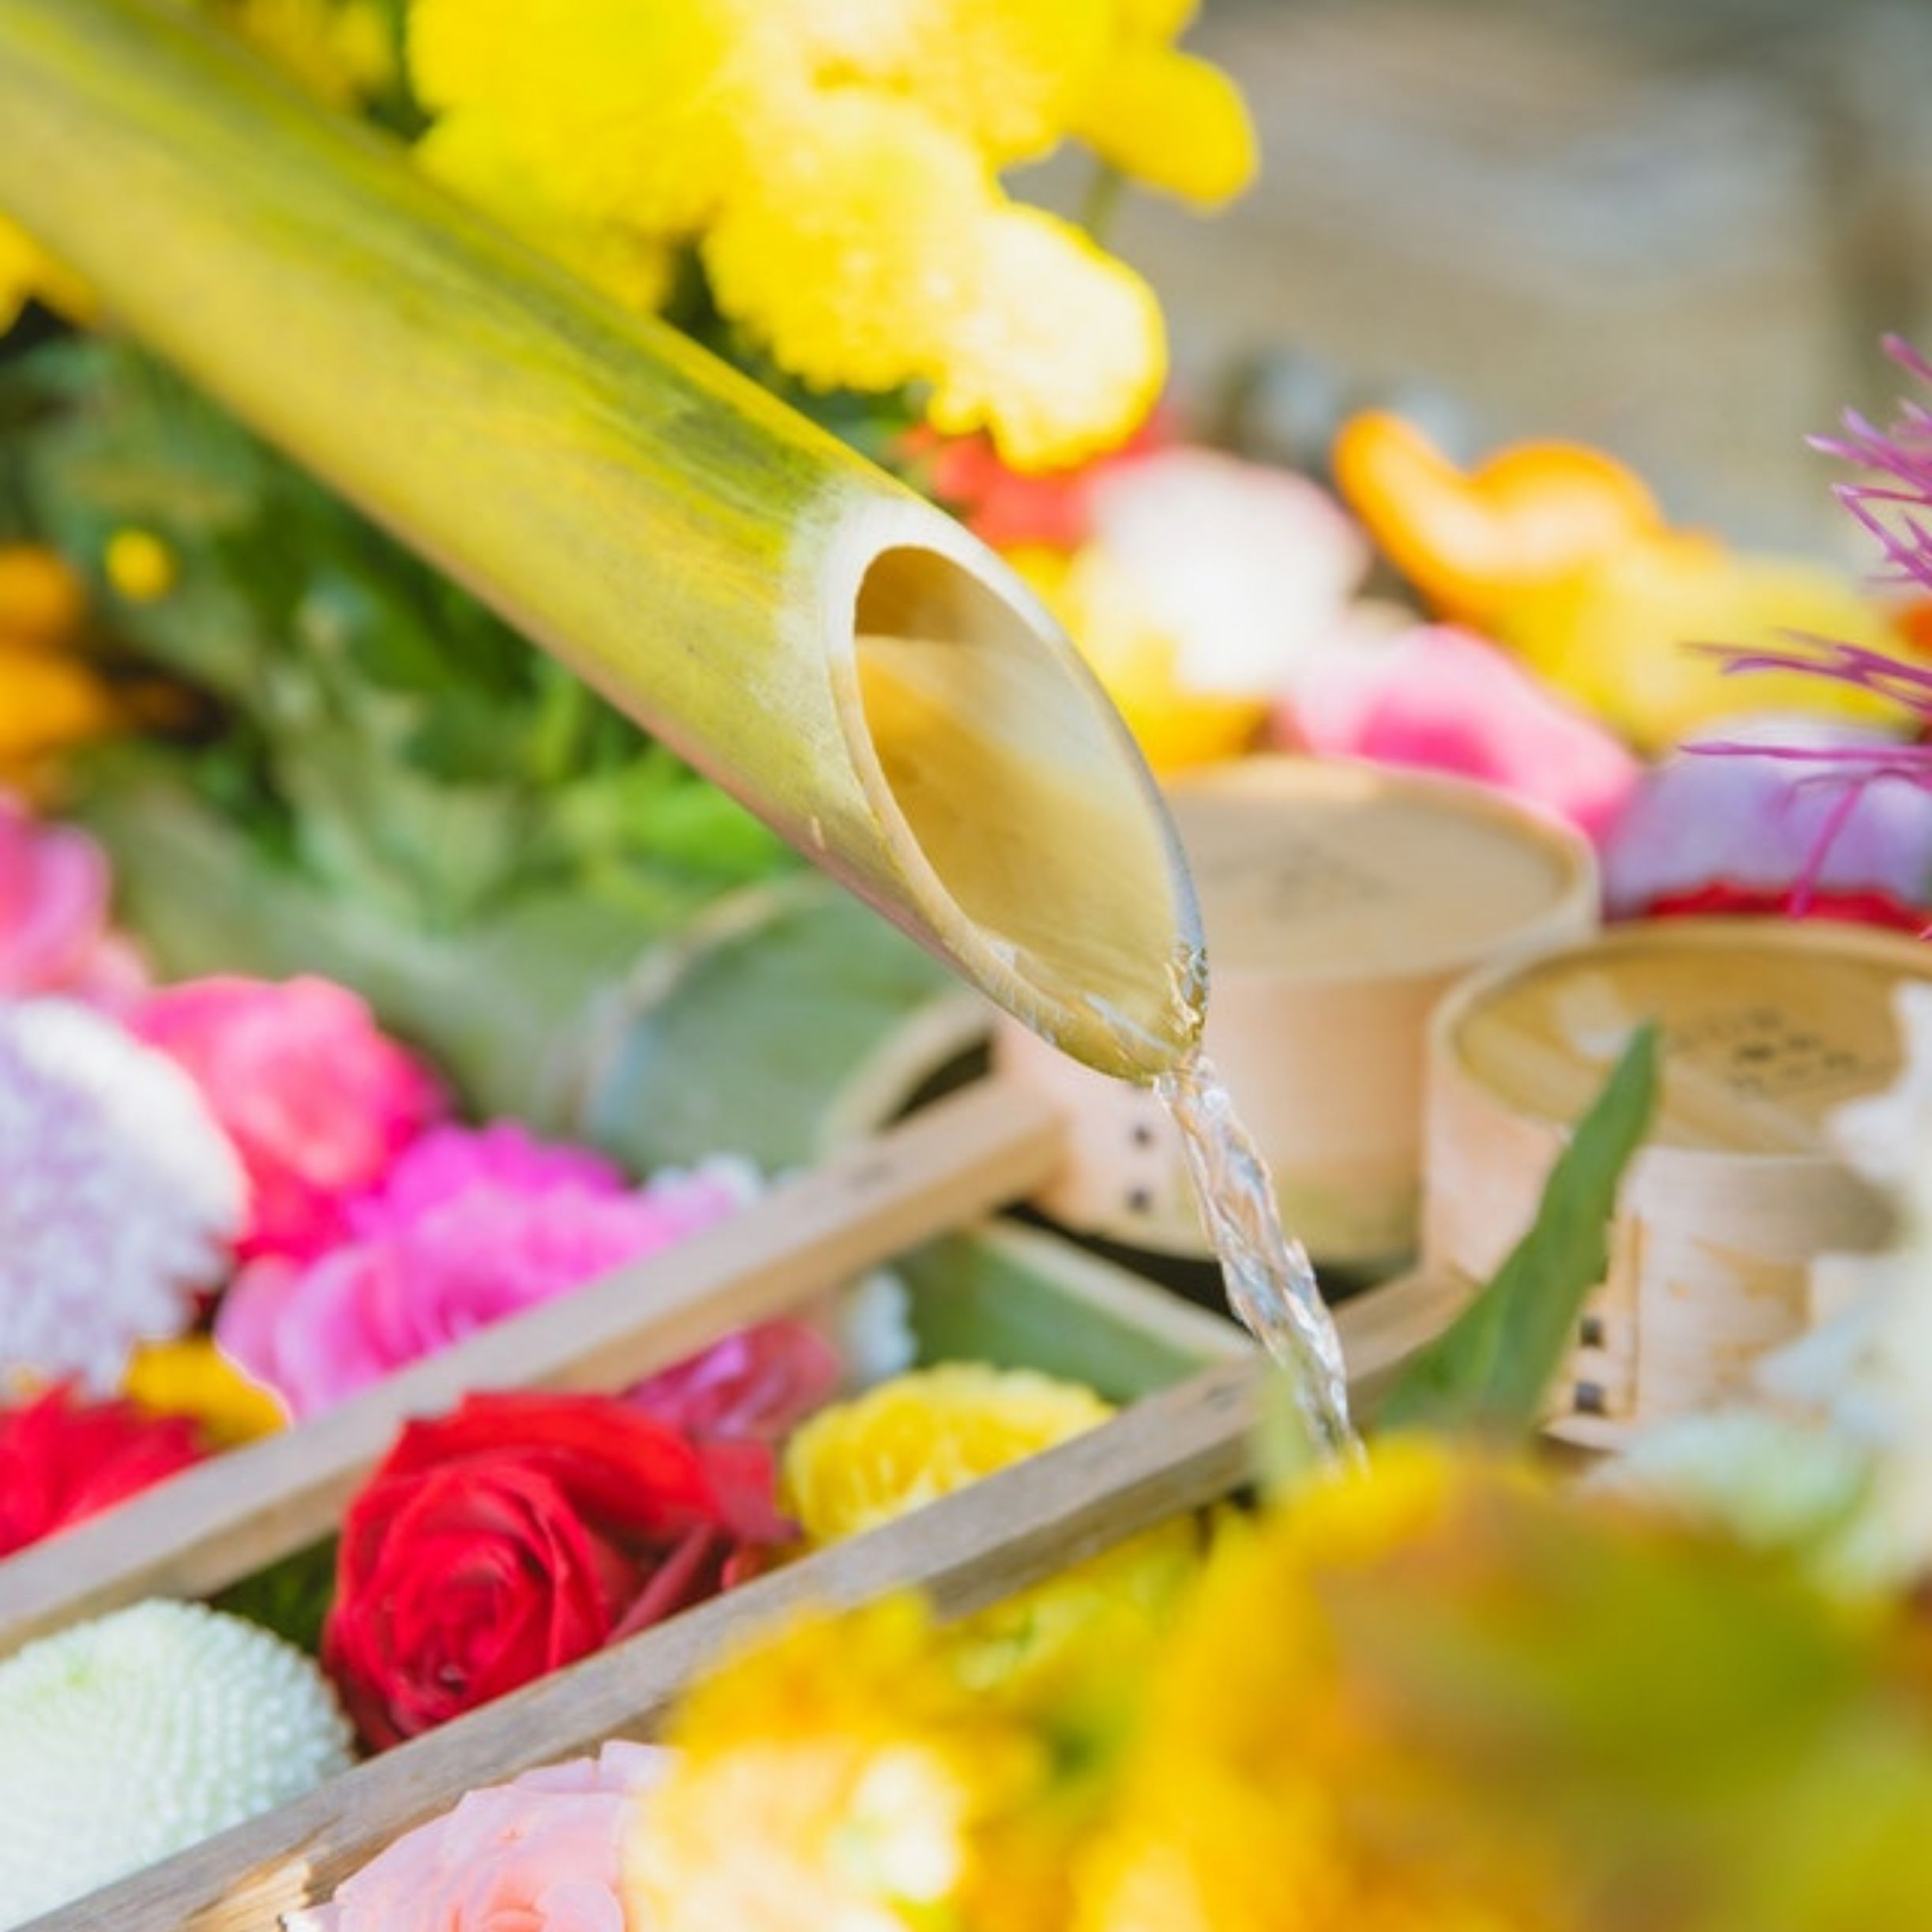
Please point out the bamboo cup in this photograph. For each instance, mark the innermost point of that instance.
(1768, 1027)
(864, 675)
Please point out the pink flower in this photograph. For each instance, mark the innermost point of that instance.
(757, 1384)
(470, 1226)
(543, 1853)
(1437, 700)
(316, 1100)
(54, 931)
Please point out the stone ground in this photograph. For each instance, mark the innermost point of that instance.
(1677, 229)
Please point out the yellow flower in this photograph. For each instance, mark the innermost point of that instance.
(635, 114)
(1172, 120)
(339, 50)
(1009, 74)
(42, 602)
(50, 700)
(843, 1775)
(1061, 352)
(633, 269)
(1620, 634)
(1239, 1810)
(140, 567)
(835, 162)
(846, 253)
(1140, 662)
(932, 1433)
(192, 1377)
(27, 272)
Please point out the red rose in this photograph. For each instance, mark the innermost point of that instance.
(61, 1461)
(519, 1534)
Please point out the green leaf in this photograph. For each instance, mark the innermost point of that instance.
(289, 1598)
(1490, 1369)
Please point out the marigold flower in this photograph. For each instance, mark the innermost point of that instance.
(835, 166)
(1061, 353)
(1439, 1692)
(849, 252)
(1173, 121)
(928, 1434)
(124, 1740)
(842, 1774)
(634, 114)
(631, 267)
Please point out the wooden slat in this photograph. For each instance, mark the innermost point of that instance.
(1171, 1452)
(228, 1517)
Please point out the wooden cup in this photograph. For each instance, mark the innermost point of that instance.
(1340, 901)
(1768, 1027)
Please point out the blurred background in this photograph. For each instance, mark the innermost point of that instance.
(1677, 227)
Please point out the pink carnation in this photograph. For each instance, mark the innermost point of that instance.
(471, 1226)
(1437, 699)
(54, 930)
(543, 1853)
(316, 1100)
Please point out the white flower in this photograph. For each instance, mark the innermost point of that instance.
(870, 1324)
(1836, 1457)
(119, 1195)
(125, 1740)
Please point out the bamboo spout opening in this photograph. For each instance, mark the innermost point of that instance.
(1020, 812)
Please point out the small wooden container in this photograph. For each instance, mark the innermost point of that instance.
(1768, 1027)
(1340, 901)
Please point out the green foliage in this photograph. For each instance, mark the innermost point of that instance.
(363, 719)
(291, 1597)
(1492, 1368)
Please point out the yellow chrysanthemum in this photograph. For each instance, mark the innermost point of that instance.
(1241, 1807)
(1155, 20)
(192, 1377)
(29, 272)
(1172, 120)
(339, 50)
(842, 1774)
(843, 254)
(636, 114)
(633, 269)
(929, 1434)
(1061, 353)
(1007, 75)
(921, 1436)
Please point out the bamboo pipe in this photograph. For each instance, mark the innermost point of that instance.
(843, 658)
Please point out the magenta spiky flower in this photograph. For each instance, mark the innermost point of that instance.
(1895, 496)
(1892, 500)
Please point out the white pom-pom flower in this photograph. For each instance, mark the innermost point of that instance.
(119, 1195)
(128, 1738)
